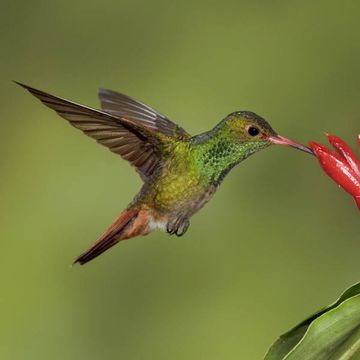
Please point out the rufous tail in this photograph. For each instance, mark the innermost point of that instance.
(130, 223)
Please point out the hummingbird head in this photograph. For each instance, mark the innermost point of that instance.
(250, 128)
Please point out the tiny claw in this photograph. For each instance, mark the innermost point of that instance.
(178, 227)
(182, 229)
(170, 230)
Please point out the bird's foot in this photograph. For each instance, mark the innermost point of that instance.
(178, 227)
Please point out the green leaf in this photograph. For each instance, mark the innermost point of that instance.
(332, 333)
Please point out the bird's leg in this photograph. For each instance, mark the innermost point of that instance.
(178, 227)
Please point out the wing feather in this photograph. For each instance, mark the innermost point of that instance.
(122, 105)
(133, 141)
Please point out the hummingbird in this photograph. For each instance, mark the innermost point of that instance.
(180, 172)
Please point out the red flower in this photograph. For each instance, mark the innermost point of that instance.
(342, 166)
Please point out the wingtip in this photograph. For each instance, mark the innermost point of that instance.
(17, 82)
(79, 260)
(21, 84)
(76, 261)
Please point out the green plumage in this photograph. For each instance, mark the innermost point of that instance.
(193, 168)
(181, 172)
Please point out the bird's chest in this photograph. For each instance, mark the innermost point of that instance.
(181, 188)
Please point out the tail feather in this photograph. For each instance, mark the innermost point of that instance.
(112, 236)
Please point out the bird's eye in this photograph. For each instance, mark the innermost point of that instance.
(253, 131)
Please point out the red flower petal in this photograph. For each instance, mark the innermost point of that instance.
(343, 149)
(357, 201)
(338, 169)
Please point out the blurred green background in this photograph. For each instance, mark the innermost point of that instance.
(279, 239)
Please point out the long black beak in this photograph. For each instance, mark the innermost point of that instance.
(281, 140)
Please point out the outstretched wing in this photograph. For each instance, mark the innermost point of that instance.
(133, 141)
(121, 105)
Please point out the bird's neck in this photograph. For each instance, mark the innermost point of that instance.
(217, 153)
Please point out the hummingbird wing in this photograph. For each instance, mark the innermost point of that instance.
(122, 105)
(131, 140)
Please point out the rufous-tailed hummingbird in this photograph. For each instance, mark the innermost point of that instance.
(180, 172)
